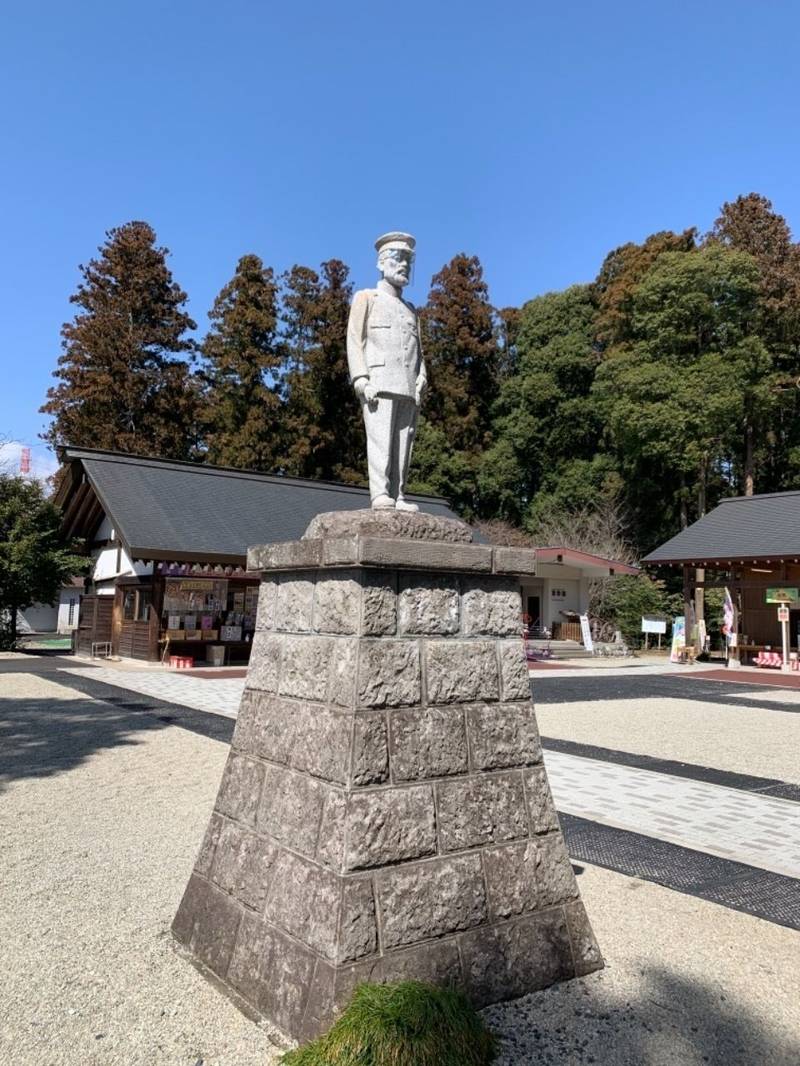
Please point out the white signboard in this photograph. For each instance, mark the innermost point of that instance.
(586, 633)
(651, 624)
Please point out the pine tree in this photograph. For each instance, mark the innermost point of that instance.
(770, 434)
(460, 347)
(120, 385)
(242, 404)
(325, 427)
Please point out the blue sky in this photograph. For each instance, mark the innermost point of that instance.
(536, 136)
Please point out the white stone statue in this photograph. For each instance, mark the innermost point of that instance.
(386, 367)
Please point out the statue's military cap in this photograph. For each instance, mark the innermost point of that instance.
(402, 241)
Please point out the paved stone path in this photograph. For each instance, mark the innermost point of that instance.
(214, 695)
(758, 830)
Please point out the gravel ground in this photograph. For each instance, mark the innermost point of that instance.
(731, 736)
(102, 811)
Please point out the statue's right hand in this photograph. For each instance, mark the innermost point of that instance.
(365, 391)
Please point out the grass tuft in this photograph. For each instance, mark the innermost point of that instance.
(404, 1024)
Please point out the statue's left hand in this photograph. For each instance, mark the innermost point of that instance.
(419, 391)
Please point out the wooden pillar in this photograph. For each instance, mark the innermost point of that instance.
(688, 610)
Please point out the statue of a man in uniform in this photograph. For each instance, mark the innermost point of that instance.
(385, 360)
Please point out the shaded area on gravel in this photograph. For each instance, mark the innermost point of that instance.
(670, 1019)
(39, 738)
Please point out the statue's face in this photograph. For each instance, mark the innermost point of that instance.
(395, 265)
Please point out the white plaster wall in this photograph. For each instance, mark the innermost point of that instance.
(39, 618)
(64, 625)
(552, 606)
(105, 565)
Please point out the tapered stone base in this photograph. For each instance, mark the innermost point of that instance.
(384, 812)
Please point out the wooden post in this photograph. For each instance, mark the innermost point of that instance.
(687, 605)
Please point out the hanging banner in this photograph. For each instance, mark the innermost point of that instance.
(678, 639)
(586, 633)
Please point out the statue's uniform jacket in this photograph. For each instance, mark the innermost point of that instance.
(383, 343)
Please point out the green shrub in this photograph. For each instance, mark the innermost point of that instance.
(404, 1024)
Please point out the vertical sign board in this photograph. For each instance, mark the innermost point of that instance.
(678, 639)
(586, 633)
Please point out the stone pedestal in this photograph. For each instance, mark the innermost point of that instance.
(384, 811)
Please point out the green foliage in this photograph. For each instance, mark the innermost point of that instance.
(623, 600)
(241, 415)
(403, 1024)
(674, 395)
(120, 385)
(462, 354)
(324, 426)
(545, 415)
(34, 560)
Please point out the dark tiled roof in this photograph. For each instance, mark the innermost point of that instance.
(161, 508)
(744, 527)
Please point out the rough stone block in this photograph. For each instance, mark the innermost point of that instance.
(340, 551)
(429, 899)
(388, 673)
(390, 824)
(358, 929)
(267, 593)
(503, 735)
(507, 961)
(370, 750)
(379, 604)
(530, 876)
(428, 742)
(481, 810)
(492, 607)
(514, 670)
(291, 554)
(337, 605)
(205, 860)
(585, 950)
(304, 902)
(555, 876)
(266, 726)
(461, 671)
(424, 555)
(404, 525)
(294, 607)
(343, 660)
(240, 789)
(291, 809)
(333, 830)
(427, 604)
(515, 561)
(272, 972)
(206, 923)
(304, 669)
(540, 801)
(265, 661)
(320, 740)
(243, 865)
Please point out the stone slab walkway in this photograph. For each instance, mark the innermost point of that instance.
(758, 830)
(219, 695)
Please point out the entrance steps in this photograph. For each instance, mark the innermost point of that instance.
(561, 649)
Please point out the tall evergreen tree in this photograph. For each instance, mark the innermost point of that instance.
(460, 348)
(672, 397)
(771, 414)
(545, 418)
(242, 405)
(326, 433)
(120, 384)
(622, 271)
